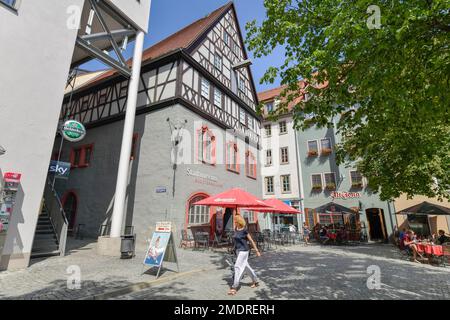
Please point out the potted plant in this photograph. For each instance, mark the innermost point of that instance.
(326, 151)
(357, 184)
(330, 186)
(312, 153)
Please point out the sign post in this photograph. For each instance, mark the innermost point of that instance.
(161, 247)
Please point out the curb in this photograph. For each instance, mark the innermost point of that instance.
(142, 285)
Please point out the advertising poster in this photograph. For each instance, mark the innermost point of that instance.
(157, 249)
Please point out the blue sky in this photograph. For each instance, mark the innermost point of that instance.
(168, 16)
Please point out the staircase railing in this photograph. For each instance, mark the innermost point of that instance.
(57, 216)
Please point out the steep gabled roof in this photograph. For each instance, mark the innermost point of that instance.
(181, 39)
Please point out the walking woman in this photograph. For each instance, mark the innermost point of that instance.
(242, 251)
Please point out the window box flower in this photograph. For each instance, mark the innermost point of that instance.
(330, 186)
(312, 153)
(317, 187)
(357, 184)
(326, 151)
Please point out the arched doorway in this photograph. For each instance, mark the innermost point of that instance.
(377, 224)
(70, 204)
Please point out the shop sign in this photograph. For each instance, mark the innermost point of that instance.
(12, 177)
(204, 178)
(59, 169)
(73, 131)
(164, 226)
(345, 195)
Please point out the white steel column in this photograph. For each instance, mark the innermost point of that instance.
(125, 152)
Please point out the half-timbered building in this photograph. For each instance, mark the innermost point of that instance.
(196, 133)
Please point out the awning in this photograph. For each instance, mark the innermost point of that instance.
(276, 206)
(333, 207)
(426, 208)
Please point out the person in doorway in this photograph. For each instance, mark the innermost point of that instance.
(241, 238)
(306, 233)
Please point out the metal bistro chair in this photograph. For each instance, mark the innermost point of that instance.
(201, 240)
(219, 241)
(445, 259)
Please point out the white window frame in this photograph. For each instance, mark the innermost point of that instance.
(325, 180)
(218, 61)
(279, 127)
(241, 84)
(267, 164)
(217, 93)
(203, 92)
(198, 216)
(281, 155)
(226, 37)
(318, 145)
(265, 131)
(321, 180)
(351, 180)
(266, 184)
(282, 183)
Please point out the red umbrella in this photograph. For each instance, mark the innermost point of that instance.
(277, 206)
(233, 198)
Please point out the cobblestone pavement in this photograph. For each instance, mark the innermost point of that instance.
(316, 273)
(295, 272)
(48, 278)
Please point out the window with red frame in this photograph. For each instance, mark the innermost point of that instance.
(133, 146)
(206, 145)
(250, 165)
(232, 157)
(80, 157)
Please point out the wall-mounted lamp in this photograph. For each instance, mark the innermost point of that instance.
(2, 151)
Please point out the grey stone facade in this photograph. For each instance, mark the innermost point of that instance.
(152, 168)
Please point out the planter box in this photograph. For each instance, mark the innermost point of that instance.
(330, 187)
(312, 153)
(326, 152)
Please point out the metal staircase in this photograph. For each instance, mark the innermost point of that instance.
(51, 230)
(45, 240)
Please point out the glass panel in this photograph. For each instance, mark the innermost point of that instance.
(312, 145)
(326, 143)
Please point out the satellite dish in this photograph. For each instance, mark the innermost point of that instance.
(2, 151)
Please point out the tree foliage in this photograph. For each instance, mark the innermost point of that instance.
(388, 86)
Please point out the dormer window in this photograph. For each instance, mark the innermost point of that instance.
(269, 107)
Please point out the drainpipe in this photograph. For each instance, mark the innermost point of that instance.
(300, 178)
(127, 137)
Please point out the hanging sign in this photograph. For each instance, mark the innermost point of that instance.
(162, 247)
(60, 169)
(73, 131)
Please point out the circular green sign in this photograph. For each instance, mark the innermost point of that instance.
(73, 131)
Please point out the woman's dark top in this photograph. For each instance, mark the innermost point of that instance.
(240, 240)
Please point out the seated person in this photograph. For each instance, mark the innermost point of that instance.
(323, 235)
(442, 238)
(410, 245)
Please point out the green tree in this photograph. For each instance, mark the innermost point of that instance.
(387, 84)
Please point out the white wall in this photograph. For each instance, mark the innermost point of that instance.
(275, 142)
(136, 11)
(37, 48)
